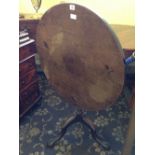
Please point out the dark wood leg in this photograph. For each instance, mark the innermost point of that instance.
(87, 122)
(95, 136)
(68, 123)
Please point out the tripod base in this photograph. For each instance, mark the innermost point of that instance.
(79, 118)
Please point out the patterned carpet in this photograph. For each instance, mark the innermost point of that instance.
(48, 116)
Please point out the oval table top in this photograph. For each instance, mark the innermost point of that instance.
(81, 56)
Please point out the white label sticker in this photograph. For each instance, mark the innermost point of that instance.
(73, 16)
(72, 7)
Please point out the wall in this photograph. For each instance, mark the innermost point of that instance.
(113, 11)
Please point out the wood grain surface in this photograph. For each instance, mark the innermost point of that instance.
(81, 56)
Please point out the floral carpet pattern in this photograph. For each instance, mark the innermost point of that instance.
(46, 119)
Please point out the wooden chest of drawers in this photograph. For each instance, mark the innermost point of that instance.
(28, 79)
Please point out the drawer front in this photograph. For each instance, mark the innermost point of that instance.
(26, 80)
(28, 97)
(26, 66)
(26, 51)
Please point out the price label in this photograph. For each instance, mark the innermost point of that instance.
(72, 7)
(73, 16)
